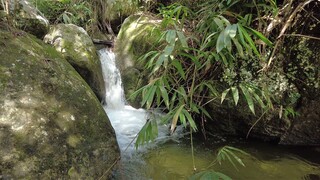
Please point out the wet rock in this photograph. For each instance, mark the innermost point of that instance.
(137, 35)
(52, 126)
(77, 47)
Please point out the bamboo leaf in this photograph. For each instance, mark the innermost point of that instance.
(224, 59)
(260, 36)
(220, 42)
(159, 62)
(183, 119)
(182, 39)
(165, 96)
(239, 47)
(150, 96)
(190, 120)
(227, 39)
(241, 35)
(232, 30)
(235, 157)
(178, 66)
(183, 93)
(235, 94)
(249, 40)
(175, 118)
(194, 108)
(248, 98)
(257, 97)
(168, 50)
(224, 94)
(205, 112)
(219, 23)
(171, 36)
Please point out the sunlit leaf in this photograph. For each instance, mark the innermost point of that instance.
(150, 96)
(171, 36)
(175, 118)
(182, 119)
(232, 30)
(227, 39)
(182, 39)
(219, 23)
(260, 36)
(249, 40)
(235, 94)
(220, 42)
(159, 62)
(224, 94)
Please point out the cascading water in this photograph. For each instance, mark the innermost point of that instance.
(112, 79)
(126, 120)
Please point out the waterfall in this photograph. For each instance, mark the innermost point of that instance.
(126, 120)
(112, 80)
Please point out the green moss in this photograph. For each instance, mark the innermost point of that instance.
(55, 119)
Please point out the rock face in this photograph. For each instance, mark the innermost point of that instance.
(136, 37)
(299, 65)
(302, 64)
(52, 126)
(77, 47)
(28, 17)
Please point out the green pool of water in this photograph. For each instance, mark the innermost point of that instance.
(173, 160)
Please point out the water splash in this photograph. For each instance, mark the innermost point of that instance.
(126, 120)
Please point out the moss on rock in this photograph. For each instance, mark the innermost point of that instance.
(137, 35)
(52, 126)
(77, 47)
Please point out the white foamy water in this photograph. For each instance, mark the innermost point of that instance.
(112, 80)
(126, 120)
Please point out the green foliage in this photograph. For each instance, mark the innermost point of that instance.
(229, 153)
(218, 55)
(77, 12)
(90, 14)
(225, 153)
(149, 132)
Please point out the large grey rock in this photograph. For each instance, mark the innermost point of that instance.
(52, 126)
(77, 47)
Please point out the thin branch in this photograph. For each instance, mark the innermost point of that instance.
(255, 123)
(302, 35)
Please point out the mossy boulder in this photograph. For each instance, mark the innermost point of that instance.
(77, 47)
(137, 35)
(28, 17)
(52, 126)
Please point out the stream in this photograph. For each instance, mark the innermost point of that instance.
(169, 157)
